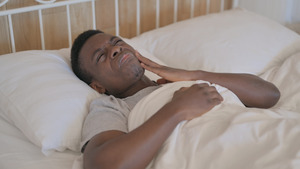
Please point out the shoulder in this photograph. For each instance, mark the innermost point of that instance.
(106, 113)
(105, 101)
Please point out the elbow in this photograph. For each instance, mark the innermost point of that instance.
(267, 98)
(272, 97)
(275, 97)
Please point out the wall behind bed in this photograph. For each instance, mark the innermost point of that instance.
(27, 30)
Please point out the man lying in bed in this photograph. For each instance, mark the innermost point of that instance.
(111, 66)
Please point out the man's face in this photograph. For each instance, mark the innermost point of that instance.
(111, 62)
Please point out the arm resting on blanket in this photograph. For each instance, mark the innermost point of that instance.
(251, 90)
(136, 149)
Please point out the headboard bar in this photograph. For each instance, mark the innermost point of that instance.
(45, 2)
(175, 10)
(157, 14)
(117, 18)
(42, 29)
(11, 32)
(69, 26)
(192, 8)
(138, 16)
(222, 5)
(235, 3)
(207, 6)
(3, 3)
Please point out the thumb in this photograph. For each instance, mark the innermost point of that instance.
(162, 81)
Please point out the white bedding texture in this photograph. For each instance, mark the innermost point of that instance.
(43, 104)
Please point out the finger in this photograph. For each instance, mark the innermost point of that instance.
(216, 101)
(151, 69)
(162, 81)
(201, 85)
(145, 60)
(211, 89)
(183, 88)
(138, 55)
(157, 69)
(213, 92)
(216, 95)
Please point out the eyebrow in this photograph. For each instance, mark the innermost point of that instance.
(112, 38)
(99, 49)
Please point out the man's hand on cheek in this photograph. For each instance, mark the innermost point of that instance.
(167, 73)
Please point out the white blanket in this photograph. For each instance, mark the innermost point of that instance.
(231, 136)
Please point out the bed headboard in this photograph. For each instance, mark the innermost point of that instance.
(53, 24)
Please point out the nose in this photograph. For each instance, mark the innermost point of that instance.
(115, 50)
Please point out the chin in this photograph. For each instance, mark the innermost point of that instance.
(139, 72)
(133, 71)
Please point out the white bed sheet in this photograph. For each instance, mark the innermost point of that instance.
(17, 152)
(232, 136)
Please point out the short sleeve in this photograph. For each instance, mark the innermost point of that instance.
(106, 113)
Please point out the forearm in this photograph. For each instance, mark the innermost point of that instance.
(137, 148)
(251, 90)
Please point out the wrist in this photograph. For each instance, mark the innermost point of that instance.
(197, 75)
(174, 112)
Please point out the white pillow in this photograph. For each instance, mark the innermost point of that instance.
(231, 41)
(42, 97)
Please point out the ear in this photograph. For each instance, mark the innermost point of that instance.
(98, 87)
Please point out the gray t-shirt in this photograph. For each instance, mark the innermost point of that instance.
(110, 113)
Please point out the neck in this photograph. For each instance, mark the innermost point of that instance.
(139, 85)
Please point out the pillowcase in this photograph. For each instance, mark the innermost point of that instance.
(232, 41)
(41, 96)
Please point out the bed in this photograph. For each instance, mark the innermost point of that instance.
(43, 104)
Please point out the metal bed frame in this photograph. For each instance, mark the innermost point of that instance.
(45, 4)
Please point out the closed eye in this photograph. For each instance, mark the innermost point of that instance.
(100, 57)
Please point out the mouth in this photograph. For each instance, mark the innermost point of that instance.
(124, 58)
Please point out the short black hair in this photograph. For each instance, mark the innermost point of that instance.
(75, 50)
